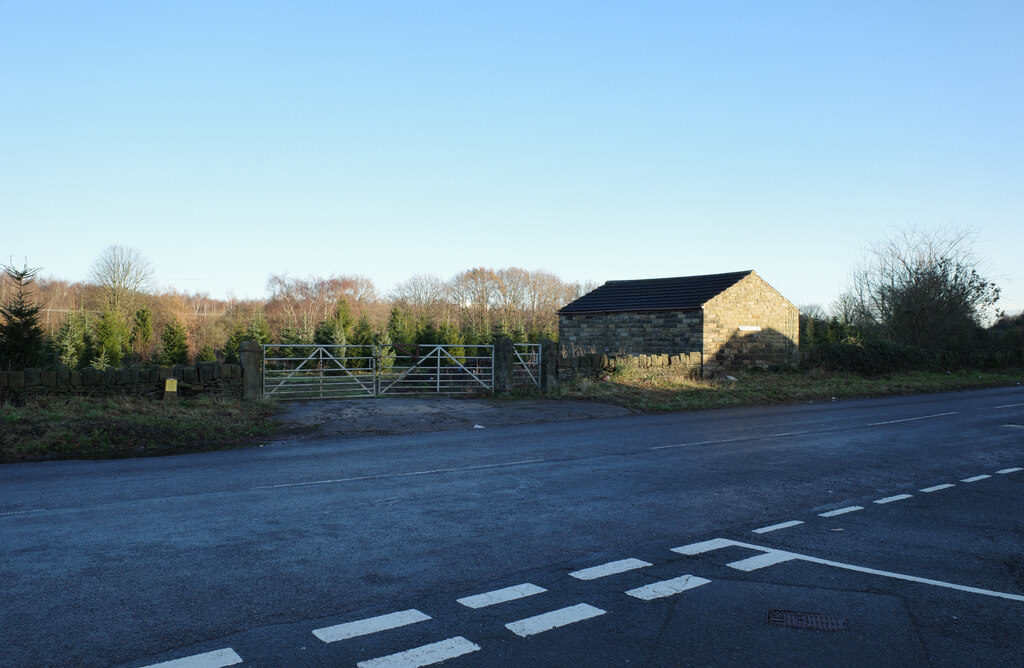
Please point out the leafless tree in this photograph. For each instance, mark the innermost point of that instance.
(121, 274)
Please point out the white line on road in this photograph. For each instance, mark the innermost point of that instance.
(733, 440)
(781, 555)
(611, 568)
(923, 417)
(936, 488)
(890, 499)
(776, 527)
(22, 512)
(215, 659)
(553, 619)
(976, 478)
(1009, 405)
(760, 561)
(501, 595)
(841, 511)
(363, 627)
(425, 655)
(1010, 470)
(401, 475)
(667, 587)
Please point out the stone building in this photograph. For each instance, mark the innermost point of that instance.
(732, 320)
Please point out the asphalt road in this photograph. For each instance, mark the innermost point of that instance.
(645, 540)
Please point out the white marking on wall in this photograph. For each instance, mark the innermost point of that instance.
(215, 659)
(554, 619)
(841, 511)
(667, 587)
(976, 478)
(923, 417)
(749, 328)
(778, 554)
(890, 499)
(776, 527)
(704, 546)
(1011, 470)
(936, 488)
(769, 558)
(611, 568)
(501, 595)
(401, 475)
(425, 655)
(363, 627)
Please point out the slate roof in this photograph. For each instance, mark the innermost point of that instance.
(683, 293)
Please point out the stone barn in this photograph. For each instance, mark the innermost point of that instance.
(733, 320)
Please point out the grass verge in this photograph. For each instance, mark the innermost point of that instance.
(110, 427)
(656, 391)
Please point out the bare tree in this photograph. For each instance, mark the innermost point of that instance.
(921, 288)
(121, 274)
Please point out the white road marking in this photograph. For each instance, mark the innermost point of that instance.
(776, 527)
(667, 587)
(401, 475)
(22, 512)
(735, 440)
(215, 659)
(936, 488)
(553, 620)
(501, 595)
(841, 511)
(779, 555)
(363, 627)
(1009, 405)
(611, 568)
(704, 546)
(976, 478)
(890, 499)
(425, 655)
(769, 558)
(923, 417)
(1011, 470)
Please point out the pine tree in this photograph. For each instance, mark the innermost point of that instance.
(174, 344)
(362, 335)
(142, 332)
(21, 337)
(206, 354)
(259, 330)
(69, 344)
(110, 337)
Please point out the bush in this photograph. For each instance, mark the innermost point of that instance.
(871, 358)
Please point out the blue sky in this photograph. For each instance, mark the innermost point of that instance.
(231, 140)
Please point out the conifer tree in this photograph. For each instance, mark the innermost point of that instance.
(174, 344)
(21, 337)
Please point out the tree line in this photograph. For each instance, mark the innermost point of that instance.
(117, 316)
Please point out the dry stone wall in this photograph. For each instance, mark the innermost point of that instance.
(656, 333)
(750, 324)
(210, 378)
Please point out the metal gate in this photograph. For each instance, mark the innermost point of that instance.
(303, 371)
(435, 369)
(526, 365)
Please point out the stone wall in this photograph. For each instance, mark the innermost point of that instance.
(210, 378)
(750, 324)
(598, 365)
(655, 333)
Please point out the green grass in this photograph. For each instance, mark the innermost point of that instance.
(103, 428)
(658, 391)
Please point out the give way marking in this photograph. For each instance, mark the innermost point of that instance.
(770, 556)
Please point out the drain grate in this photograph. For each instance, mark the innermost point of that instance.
(806, 620)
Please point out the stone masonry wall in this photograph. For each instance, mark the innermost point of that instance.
(750, 303)
(656, 333)
(598, 365)
(210, 378)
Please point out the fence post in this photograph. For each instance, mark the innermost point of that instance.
(548, 365)
(504, 354)
(250, 354)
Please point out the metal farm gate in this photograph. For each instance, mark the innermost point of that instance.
(311, 371)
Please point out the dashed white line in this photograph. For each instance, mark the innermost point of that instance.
(424, 655)
(936, 488)
(923, 417)
(215, 659)
(554, 619)
(769, 558)
(704, 546)
(890, 499)
(841, 511)
(776, 527)
(976, 478)
(1009, 405)
(611, 568)
(22, 512)
(1010, 470)
(363, 627)
(501, 595)
(401, 475)
(667, 587)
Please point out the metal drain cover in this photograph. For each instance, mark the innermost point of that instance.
(806, 620)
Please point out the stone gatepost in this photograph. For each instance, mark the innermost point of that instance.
(250, 354)
(504, 356)
(548, 365)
